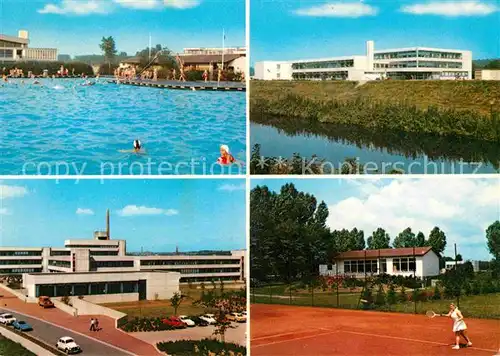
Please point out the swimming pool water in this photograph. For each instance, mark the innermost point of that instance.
(65, 128)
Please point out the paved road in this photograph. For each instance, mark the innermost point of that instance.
(51, 333)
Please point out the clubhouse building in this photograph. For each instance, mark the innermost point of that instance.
(16, 49)
(419, 261)
(398, 63)
(102, 269)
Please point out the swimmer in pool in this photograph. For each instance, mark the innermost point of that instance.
(225, 157)
(137, 148)
(137, 145)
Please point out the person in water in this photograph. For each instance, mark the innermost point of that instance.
(225, 156)
(137, 145)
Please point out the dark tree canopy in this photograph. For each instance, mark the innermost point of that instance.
(405, 239)
(493, 238)
(379, 240)
(437, 240)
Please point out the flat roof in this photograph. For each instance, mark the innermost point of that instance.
(386, 252)
(13, 39)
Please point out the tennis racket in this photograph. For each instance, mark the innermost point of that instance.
(431, 314)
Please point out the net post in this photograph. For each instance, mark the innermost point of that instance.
(456, 271)
(337, 281)
(415, 279)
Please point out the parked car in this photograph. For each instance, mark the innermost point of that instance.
(237, 317)
(68, 345)
(7, 319)
(175, 322)
(209, 318)
(45, 302)
(21, 325)
(185, 319)
(200, 322)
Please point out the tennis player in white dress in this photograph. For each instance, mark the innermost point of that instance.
(459, 326)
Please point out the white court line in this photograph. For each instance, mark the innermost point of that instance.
(364, 334)
(70, 330)
(298, 338)
(413, 340)
(284, 334)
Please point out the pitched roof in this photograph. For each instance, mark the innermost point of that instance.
(386, 252)
(207, 58)
(13, 39)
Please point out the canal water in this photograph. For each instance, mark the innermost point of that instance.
(377, 152)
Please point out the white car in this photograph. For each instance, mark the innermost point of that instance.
(209, 318)
(186, 320)
(7, 319)
(68, 345)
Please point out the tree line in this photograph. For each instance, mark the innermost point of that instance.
(289, 236)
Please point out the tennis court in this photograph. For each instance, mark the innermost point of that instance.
(291, 330)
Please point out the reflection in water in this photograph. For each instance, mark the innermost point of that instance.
(389, 145)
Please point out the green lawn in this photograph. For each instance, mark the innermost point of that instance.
(160, 308)
(11, 348)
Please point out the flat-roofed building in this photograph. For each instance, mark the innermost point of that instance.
(14, 49)
(419, 261)
(399, 63)
(487, 74)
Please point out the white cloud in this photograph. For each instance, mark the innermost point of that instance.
(4, 211)
(339, 9)
(134, 210)
(421, 204)
(83, 211)
(181, 4)
(12, 191)
(232, 187)
(77, 7)
(451, 8)
(139, 4)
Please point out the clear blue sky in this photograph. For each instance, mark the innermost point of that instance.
(76, 26)
(291, 29)
(194, 214)
(462, 207)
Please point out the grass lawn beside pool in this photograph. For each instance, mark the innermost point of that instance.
(11, 348)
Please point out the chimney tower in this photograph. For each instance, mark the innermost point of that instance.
(107, 225)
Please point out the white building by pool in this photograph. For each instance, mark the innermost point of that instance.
(398, 63)
(14, 49)
(85, 264)
(421, 261)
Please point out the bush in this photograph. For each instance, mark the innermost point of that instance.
(194, 75)
(201, 347)
(392, 298)
(380, 297)
(437, 293)
(402, 296)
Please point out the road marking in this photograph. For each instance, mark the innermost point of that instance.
(70, 330)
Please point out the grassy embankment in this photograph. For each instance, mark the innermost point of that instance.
(469, 109)
(11, 348)
(160, 308)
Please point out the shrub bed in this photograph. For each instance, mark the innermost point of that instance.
(201, 347)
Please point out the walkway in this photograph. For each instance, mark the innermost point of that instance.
(198, 86)
(108, 335)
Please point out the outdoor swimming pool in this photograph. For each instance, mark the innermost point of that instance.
(65, 128)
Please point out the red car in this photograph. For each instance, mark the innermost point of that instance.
(175, 322)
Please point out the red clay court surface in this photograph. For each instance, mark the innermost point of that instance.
(307, 331)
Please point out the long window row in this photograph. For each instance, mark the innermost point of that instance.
(92, 246)
(360, 266)
(208, 270)
(76, 289)
(187, 262)
(340, 75)
(10, 44)
(103, 264)
(65, 264)
(206, 279)
(20, 253)
(419, 53)
(431, 64)
(344, 63)
(20, 270)
(60, 253)
(6, 53)
(103, 253)
(20, 262)
(404, 264)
